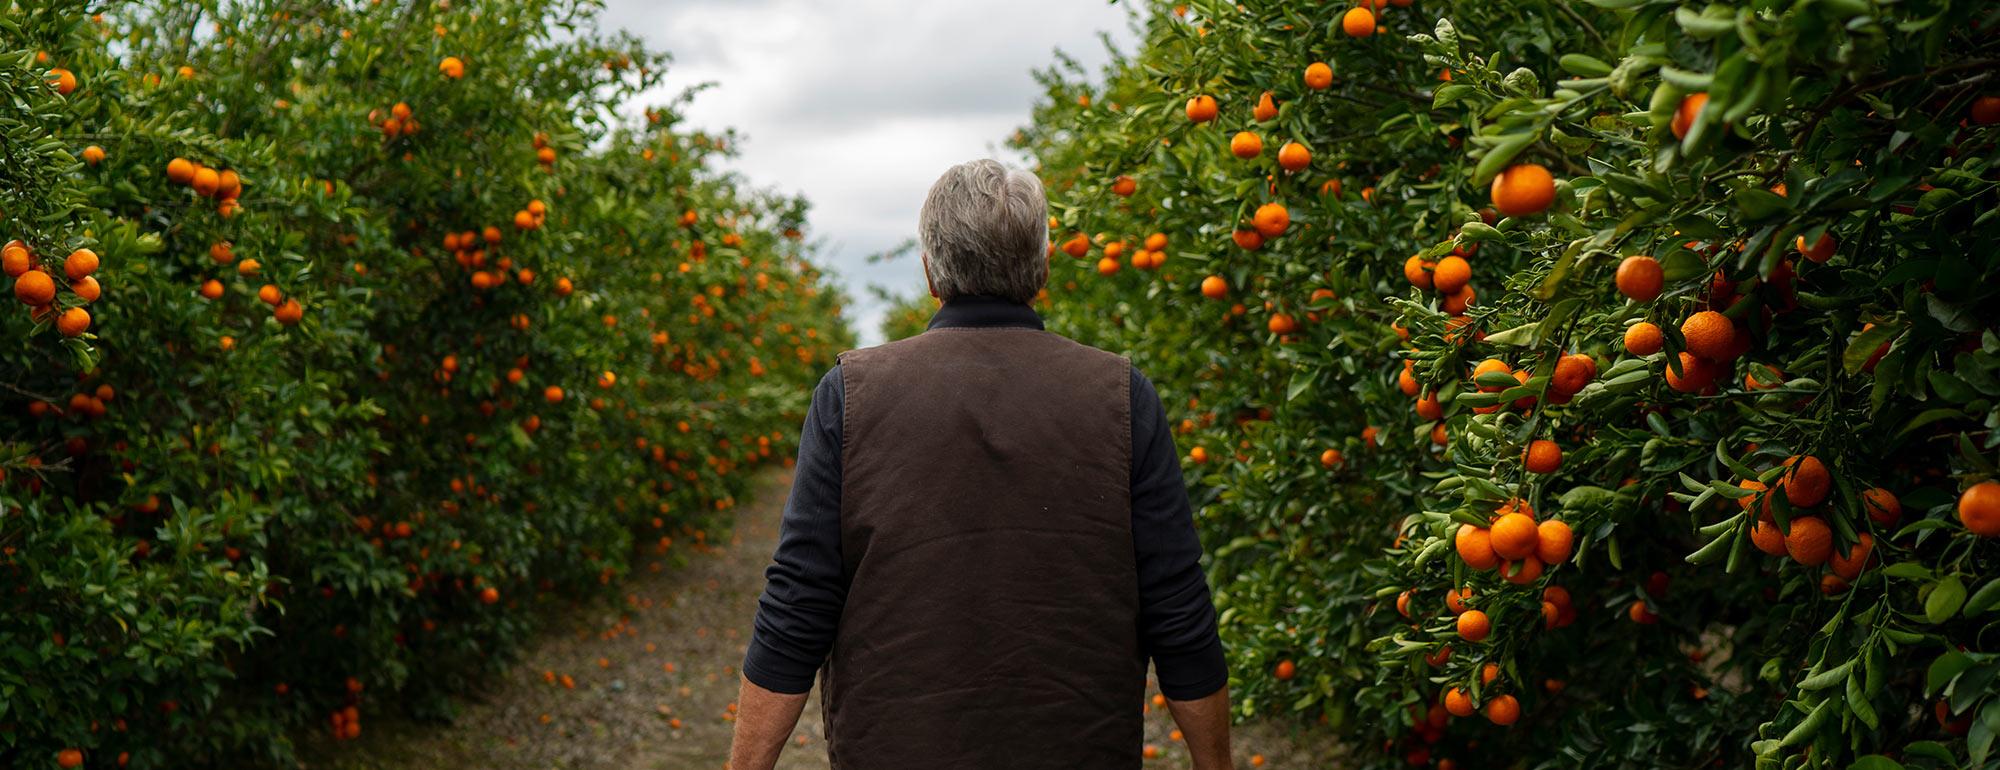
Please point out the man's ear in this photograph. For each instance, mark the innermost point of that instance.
(928, 283)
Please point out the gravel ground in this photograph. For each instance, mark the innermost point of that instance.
(655, 682)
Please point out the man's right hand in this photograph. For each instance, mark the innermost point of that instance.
(1204, 723)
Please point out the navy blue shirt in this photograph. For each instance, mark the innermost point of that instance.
(800, 610)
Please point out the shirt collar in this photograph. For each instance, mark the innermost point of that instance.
(978, 310)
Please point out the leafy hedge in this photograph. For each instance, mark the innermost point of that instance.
(408, 325)
(1381, 262)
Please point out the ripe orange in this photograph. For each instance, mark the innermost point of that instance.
(1820, 251)
(1851, 564)
(1572, 372)
(86, 288)
(1986, 110)
(1418, 271)
(206, 181)
(1456, 302)
(15, 259)
(64, 80)
(1124, 186)
(180, 171)
(68, 758)
(1473, 625)
(289, 313)
(1403, 604)
(1685, 115)
(35, 288)
(1554, 542)
(1202, 109)
(1294, 157)
(1979, 508)
(1458, 703)
(1429, 408)
(1248, 240)
(452, 67)
(1359, 22)
(1214, 287)
(1523, 189)
(1107, 266)
(1697, 374)
(1640, 278)
(1491, 366)
(1329, 458)
(1882, 506)
(1515, 536)
(1475, 547)
(1271, 220)
(93, 155)
(1644, 339)
(73, 322)
(1281, 323)
(1640, 613)
(1455, 600)
(1285, 670)
(1765, 535)
(1266, 109)
(1246, 145)
(1503, 710)
(1806, 482)
(270, 295)
(1319, 76)
(489, 595)
(1810, 541)
(1521, 572)
(1710, 335)
(211, 289)
(1542, 456)
(1077, 246)
(553, 394)
(1451, 275)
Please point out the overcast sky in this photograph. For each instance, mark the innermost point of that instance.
(860, 104)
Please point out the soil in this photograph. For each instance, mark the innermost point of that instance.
(655, 682)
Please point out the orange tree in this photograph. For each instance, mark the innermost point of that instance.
(1576, 384)
(347, 340)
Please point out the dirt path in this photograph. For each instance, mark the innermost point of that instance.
(655, 683)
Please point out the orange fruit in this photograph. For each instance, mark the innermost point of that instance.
(1077, 246)
(1285, 670)
(1248, 240)
(1806, 483)
(1266, 109)
(270, 295)
(206, 181)
(1882, 506)
(1418, 271)
(1979, 508)
(228, 185)
(1810, 541)
(1329, 458)
(1986, 110)
(489, 595)
(1451, 275)
(1473, 625)
(1764, 510)
(1644, 339)
(15, 259)
(1458, 703)
(211, 289)
(1107, 266)
(1456, 302)
(1572, 372)
(1246, 145)
(93, 155)
(1640, 614)
(452, 67)
(1851, 564)
(1640, 279)
(1359, 22)
(1696, 374)
(1475, 547)
(64, 80)
(1271, 220)
(1455, 600)
(1403, 604)
(1523, 189)
(1765, 535)
(68, 758)
(1542, 456)
(1491, 366)
(1710, 335)
(1214, 287)
(1124, 186)
(1281, 323)
(1503, 710)
(180, 171)
(1515, 536)
(1685, 115)
(289, 313)
(222, 252)
(73, 322)
(553, 394)
(1554, 542)
(35, 288)
(1319, 76)
(1202, 109)
(1294, 157)
(1820, 251)
(1521, 572)
(1429, 408)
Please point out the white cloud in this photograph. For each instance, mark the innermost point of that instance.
(860, 104)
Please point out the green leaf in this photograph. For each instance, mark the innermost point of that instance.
(1498, 156)
(1875, 762)
(1945, 598)
(1944, 669)
(1864, 345)
(1983, 599)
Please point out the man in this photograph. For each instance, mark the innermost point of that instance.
(987, 537)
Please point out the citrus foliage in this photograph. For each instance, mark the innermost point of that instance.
(1593, 384)
(402, 326)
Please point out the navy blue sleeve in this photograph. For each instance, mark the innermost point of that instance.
(1176, 614)
(805, 586)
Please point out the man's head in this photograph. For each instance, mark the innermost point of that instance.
(985, 230)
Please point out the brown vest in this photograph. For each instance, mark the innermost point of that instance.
(986, 528)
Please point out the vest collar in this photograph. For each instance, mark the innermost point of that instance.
(976, 311)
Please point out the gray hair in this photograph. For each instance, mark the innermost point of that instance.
(985, 230)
